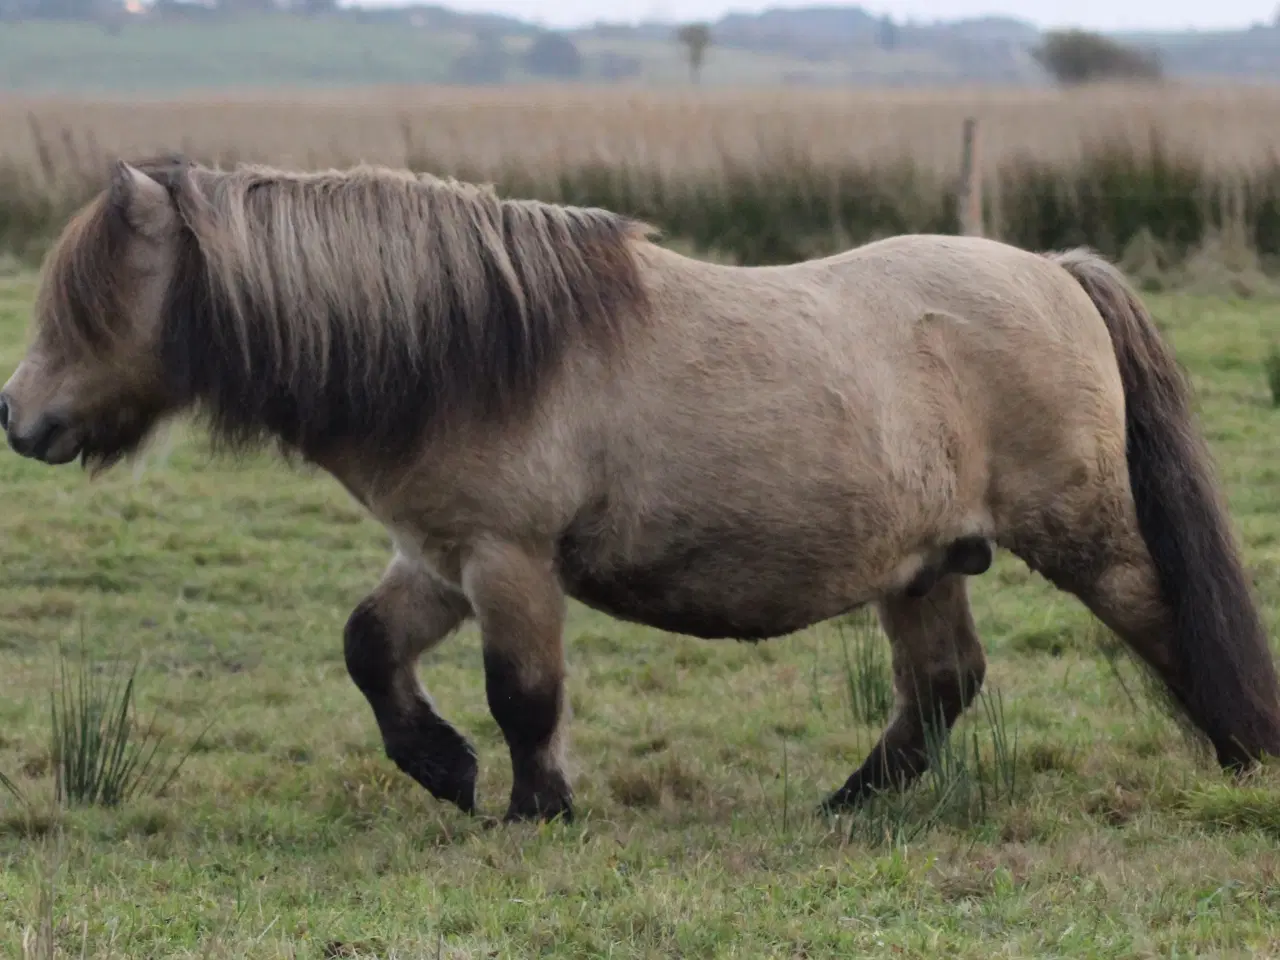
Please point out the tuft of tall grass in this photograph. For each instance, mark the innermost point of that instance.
(971, 773)
(102, 754)
(963, 775)
(868, 674)
(11, 788)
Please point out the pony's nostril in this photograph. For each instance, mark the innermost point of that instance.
(4, 413)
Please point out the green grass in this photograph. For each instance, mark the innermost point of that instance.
(288, 834)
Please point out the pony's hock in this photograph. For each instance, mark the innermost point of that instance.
(538, 402)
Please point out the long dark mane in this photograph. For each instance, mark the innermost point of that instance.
(360, 305)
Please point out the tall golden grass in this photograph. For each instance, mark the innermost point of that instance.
(548, 129)
(759, 176)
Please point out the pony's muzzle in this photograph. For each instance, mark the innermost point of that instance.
(48, 439)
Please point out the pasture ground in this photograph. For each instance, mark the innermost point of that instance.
(287, 833)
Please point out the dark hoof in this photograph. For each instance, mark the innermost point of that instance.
(461, 791)
(444, 763)
(543, 806)
(1237, 762)
(842, 801)
(866, 783)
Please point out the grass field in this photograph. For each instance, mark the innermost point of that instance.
(287, 833)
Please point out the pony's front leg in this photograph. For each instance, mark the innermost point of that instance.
(407, 614)
(519, 604)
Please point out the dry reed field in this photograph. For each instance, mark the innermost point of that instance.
(545, 130)
(758, 177)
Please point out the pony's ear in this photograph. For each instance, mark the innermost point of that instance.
(144, 201)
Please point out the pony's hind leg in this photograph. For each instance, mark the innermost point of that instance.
(520, 607)
(1228, 694)
(407, 614)
(938, 669)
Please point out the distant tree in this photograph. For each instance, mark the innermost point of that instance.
(485, 61)
(553, 55)
(695, 38)
(1078, 56)
(887, 33)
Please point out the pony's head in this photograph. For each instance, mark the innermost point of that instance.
(328, 311)
(92, 383)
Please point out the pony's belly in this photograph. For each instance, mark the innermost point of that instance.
(708, 621)
(725, 597)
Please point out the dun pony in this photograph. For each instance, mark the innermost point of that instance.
(538, 402)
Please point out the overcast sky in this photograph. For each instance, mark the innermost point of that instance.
(1097, 14)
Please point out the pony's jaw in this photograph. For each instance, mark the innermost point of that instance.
(98, 442)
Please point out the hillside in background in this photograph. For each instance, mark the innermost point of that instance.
(184, 45)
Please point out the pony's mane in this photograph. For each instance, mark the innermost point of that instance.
(360, 305)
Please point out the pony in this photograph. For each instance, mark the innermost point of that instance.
(541, 402)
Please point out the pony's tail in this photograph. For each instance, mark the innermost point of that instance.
(1219, 641)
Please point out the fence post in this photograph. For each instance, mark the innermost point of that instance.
(970, 199)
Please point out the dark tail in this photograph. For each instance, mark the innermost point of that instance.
(1219, 642)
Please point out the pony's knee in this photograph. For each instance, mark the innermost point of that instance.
(366, 647)
(405, 615)
(520, 608)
